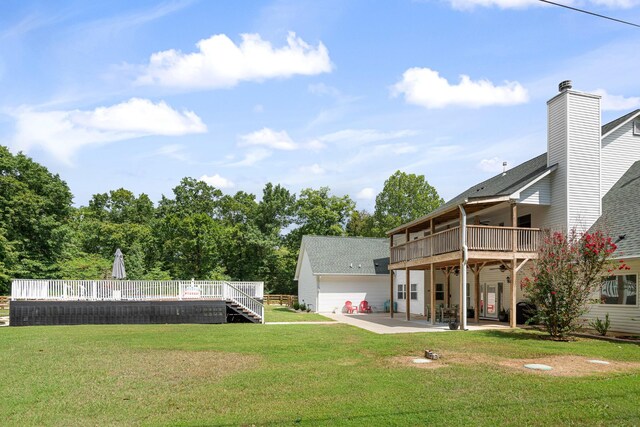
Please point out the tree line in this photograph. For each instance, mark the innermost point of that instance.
(196, 232)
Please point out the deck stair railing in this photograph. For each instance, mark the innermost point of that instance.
(244, 294)
(244, 301)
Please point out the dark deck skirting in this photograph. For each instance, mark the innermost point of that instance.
(26, 313)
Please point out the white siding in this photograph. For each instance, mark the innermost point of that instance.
(583, 179)
(538, 194)
(417, 277)
(307, 283)
(623, 318)
(424, 288)
(557, 154)
(503, 215)
(334, 291)
(574, 145)
(620, 150)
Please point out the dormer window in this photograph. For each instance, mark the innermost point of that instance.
(636, 127)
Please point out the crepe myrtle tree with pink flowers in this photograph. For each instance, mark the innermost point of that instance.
(569, 269)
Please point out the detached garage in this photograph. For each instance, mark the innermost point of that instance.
(332, 270)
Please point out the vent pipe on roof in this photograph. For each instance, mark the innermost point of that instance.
(565, 85)
(504, 168)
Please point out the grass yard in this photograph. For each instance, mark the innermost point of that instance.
(280, 313)
(243, 374)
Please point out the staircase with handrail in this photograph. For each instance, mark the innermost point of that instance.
(243, 303)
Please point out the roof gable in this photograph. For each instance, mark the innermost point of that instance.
(358, 256)
(620, 216)
(503, 184)
(614, 124)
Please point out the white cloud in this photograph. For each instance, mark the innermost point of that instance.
(315, 145)
(365, 135)
(617, 4)
(62, 133)
(425, 87)
(217, 181)
(174, 151)
(314, 169)
(617, 102)
(502, 4)
(367, 193)
(268, 138)
(523, 4)
(321, 89)
(492, 165)
(220, 63)
(252, 157)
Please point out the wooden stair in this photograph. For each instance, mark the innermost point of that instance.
(248, 315)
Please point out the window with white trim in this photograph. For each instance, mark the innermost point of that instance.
(414, 291)
(401, 291)
(620, 290)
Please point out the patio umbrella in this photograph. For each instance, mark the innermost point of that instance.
(118, 266)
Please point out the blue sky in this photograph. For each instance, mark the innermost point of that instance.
(302, 93)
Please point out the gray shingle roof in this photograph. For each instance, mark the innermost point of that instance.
(347, 255)
(613, 124)
(621, 215)
(502, 184)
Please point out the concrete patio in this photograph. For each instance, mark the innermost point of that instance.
(381, 323)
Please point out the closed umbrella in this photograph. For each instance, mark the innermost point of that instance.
(118, 266)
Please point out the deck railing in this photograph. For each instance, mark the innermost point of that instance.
(485, 238)
(479, 238)
(139, 290)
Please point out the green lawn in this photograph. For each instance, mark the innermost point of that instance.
(279, 313)
(244, 374)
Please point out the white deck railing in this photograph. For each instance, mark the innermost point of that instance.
(479, 238)
(246, 294)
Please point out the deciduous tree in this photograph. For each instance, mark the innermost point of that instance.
(569, 269)
(404, 197)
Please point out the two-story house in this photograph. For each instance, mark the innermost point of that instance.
(474, 250)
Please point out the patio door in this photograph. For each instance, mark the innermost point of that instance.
(489, 301)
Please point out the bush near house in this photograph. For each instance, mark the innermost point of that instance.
(568, 271)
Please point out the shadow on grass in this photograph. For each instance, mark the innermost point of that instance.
(284, 310)
(521, 335)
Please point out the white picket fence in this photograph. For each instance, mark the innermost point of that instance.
(245, 294)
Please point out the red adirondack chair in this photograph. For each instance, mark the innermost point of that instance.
(350, 307)
(364, 307)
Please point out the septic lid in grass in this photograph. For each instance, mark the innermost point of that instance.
(538, 367)
(421, 360)
(599, 362)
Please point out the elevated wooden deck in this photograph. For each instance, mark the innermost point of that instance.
(484, 243)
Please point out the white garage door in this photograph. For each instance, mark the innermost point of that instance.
(335, 291)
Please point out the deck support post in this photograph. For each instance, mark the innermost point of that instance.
(425, 291)
(391, 279)
(447, 274)
(463, 268)
(514, 264)
(391, 293)
(407, 290)
(432, 278)
(476, 279)
(514, 287)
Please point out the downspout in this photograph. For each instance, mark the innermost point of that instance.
(463, 269)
